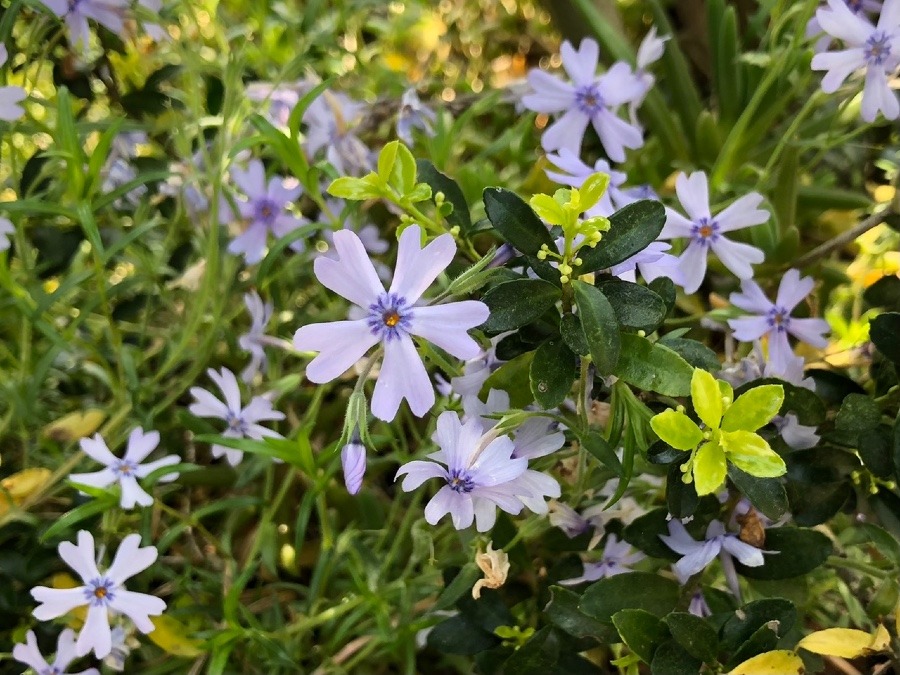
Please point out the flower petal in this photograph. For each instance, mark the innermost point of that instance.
(418, 267)
(581, 65)
(56, 601)
(141, 444)
(566, 133)
(30, 654)
(352, 275)
(96, 448)
(749, 328)
(696, 561)
(417, 472)
(810, 331)
(549, 94)
(207, 405)
(95, 635)
(131, 559)
(693, 193)
(616, 134)
(745, 553)
(743, 213)
(81, 557)
(228, 385)
(446, 501)
(751, 298)
(132, 493)
(737, 257)
(340, 344)
(252, 180)
(138, 607)
(402, 375)
(692, 265)
(446, 326)
(839, 65)
(98, 479)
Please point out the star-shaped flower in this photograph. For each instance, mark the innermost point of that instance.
(31, 656)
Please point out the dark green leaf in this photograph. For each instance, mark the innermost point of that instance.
(884, 293)
(664, 287)
(695, 353)
(459, 635)
(858, 413)
(681, 497)
(513, 378)
(766, 494)
(643, 533)
(538, 656)
(633, 590)
(741, 626)
(813, 504)
(600, 448)
(797, 551)
(516, 303)
(553, 371)
(641, 631)
(462, 583)
(663, 453)
(671, 659)
(883, 331)
(516, 222)
(631, 230)
(439, 182)
(765, 639)
(601, 330)
(876, 447)
(563, 612)
(696, 635)
(653, 367)
(636, 307)
(573, 335)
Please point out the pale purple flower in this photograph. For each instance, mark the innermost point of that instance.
(392, 317)
(874, 49)
(587, 99)
(281, 99)
(649, 52)
(152, 29)
(698, 605)
(480, 473)
(814, 28)
(797, 436)
(255, 339)
(594, 517)
(122, 644)
(353, 464)
(618, 557)
(755, 366)
(476, 371)
(697, 555)
(774, 319)
(31, 656)
(127, 470)
(369, 235)
(706, 231)
(76, 13)
(10, 97)
(102, 593)
(414, 114)
(330, 120)
(567, 519)
(6, 229)
(243, 422)
(653, 262)
(265, 210)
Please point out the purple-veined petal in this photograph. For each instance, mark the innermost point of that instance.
(447, 436)
(534, 438)
(693, 193)
(418, 267)
(679, 539)
(417, 472)
(566, 133)
(340, 344)
(353, 465)
(581, 65)
(737, 257)
(692, 264)
(495, 465)
(131, 559)
(138, 607)
(402, 375)
(749, 328)
(742, 213)
(141, 444)
(696, 561)
(446, 326)
(549, 94)
(352, 275)
(95, 635)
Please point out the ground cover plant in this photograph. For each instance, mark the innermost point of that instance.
(496, 337)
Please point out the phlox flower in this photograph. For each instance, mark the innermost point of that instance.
(618, 557)
(127, 470)
(774, 319)
(593, 518)
(76, 13)
(649, 52)
(697, 555)
(706, 231)
(329, 126)
(588, 99)
(10, 97)
(102, 593)
(814, 28)
(31, 656)
(414, 114)
(243, 422)
(280, 98)
(872, 48)
(119, 170)
(265, 210)
(476, 371)
(391, 318)
(6, 229)
(480, 473)
(255, 339)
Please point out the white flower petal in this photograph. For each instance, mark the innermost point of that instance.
(95, 635)
(418, 267)
(340, 345)
(446, 326)
(131, 559)
(402, 375)
(352, 275)
(138, 607)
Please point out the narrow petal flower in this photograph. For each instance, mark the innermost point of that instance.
(254, 340)
(102, 593)
(30, 655)
(696, 556)
(353, 464)
(331, 120)
(618, 557)
(392, 318)
(414, 114)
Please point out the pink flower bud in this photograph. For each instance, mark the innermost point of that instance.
(353, 462)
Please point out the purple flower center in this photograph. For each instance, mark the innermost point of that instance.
(877, 49)
(589, 100)
(236, 423)
(705, 231)
(100, 591)
(855, 6)
(460, 481)
(265, 211)
(389, 316)
(124, 467)
(52, 670)
(779, 319)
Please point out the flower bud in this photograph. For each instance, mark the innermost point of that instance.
(353, 463)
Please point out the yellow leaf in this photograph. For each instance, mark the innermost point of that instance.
(847, 643)
(17, 488)
(881, 640)
(74, 426)
(172, 636)
(779, 662)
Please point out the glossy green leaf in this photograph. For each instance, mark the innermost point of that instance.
(636, 307)
(516, 303)
(743, 624)
(709, 468)
(754, 408)
(751, 453)
(633, 590)
(766, 494)
(797, 551)
(858, 412)
(538, 656)
(598, 321)
(677, 429)
(653, 367)
(632, 229)
(460, 635)
(601, 450)
(883, 331)
(681, 498)
(672, 659)
(573, 334)
(439, 182)
(707, 398)
(695, 635)
(553, 371)
(641, 631)
(563, 612)
(695, 353)
(515, 221)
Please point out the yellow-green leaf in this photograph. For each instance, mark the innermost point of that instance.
(778, 662)
(548, 209)
(709, 468)
(754, 408)
(592, 189)
(848, 643)
(676, 429)
(171, 635)
(727, 392)
(707, 398)
(75, 426)
(750, 452)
